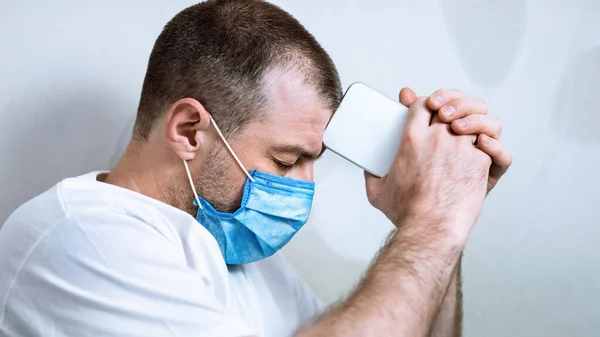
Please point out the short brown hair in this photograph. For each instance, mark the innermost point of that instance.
(218, 52)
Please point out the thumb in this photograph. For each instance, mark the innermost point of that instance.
(407, 97)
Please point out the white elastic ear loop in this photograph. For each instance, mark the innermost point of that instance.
(230, 150)
(187, 170)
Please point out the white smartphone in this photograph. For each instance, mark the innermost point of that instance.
(366, 129)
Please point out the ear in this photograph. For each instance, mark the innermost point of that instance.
(187, 123)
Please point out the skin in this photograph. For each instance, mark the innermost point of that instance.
(285, 142)
(433, 194)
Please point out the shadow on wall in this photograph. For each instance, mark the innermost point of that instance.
(487, 36)
(58, 131)
(577, 114)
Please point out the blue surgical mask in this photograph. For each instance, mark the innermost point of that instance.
(272, 211)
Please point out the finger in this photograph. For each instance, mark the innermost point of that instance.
(407, 97)
(419, 116)
(435, 119)
(470, 138)
(441, 97)
(370, 178)
(501, 157)
(437, 125)
(462, 107)
(478, 124)
(372, 186)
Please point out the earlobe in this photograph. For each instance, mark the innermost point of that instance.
(186, 123)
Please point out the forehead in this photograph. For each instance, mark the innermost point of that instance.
(295, 113)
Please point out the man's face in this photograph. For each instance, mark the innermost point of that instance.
(285, 141)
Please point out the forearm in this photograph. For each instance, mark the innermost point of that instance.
(402, 291)
(448, 322)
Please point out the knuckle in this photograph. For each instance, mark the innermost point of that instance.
(440, 132)
(461, 105)
(484, 159)
(419, 104)
(410, 136)
(421, 101)
(484, 106)
(450, 92)
(479, 169)
(509, 159)
(456, 94)
(372, 196)
(440, 92)
(471, 105)
(460, 101)
(440, 136)
(499, 126)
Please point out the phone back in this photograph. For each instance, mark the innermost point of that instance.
(366, 129)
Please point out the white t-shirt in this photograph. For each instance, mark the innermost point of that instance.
(87, 258)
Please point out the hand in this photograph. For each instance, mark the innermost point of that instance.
(469, 116)
(437, 177)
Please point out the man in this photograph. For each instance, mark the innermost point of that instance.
(181, 237)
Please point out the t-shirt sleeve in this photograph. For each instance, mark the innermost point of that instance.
(117, 277)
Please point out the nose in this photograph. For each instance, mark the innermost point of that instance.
(305, 171)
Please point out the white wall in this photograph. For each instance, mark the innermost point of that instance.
(71, 73)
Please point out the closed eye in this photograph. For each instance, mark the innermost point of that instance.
(284, 166)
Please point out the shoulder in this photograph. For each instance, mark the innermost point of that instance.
(86, 267)
(118, 279)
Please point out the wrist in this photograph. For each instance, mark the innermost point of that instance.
(439, 231)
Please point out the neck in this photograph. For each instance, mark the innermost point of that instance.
(148, 172)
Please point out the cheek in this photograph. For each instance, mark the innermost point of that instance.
(222, 184)
(249, 156)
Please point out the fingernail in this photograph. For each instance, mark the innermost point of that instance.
(448, 110)
(436, 99)
(461, 123)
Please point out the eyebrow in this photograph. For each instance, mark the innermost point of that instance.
(300, 151)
